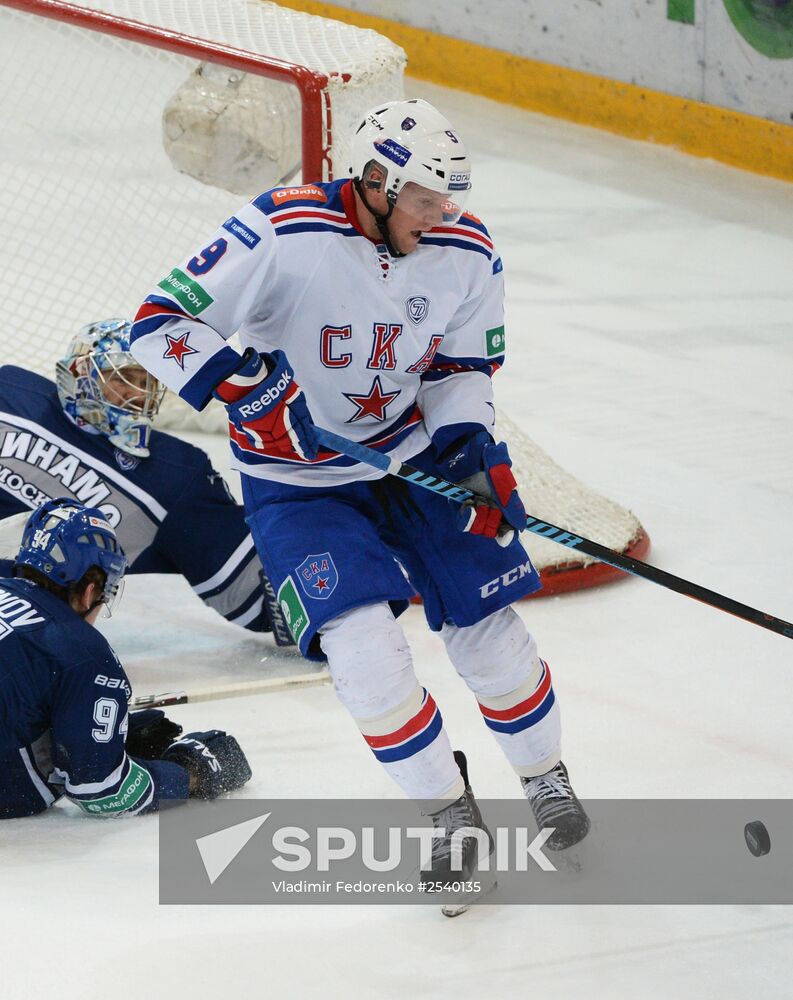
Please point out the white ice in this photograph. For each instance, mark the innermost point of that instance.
(651, 353)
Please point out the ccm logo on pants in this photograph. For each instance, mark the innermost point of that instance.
(506, 579)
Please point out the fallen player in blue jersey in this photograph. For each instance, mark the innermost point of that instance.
(91, 438)
(64, 723)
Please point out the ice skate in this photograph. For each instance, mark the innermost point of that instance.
(462, 884)
(555, 804)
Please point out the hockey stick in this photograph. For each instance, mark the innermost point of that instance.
(263, 686)
(628, 564)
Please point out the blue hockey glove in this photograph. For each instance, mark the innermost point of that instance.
(501, 513)
(268, 408)
(150, 733)
(214, 761)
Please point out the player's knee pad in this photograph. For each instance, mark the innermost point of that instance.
(495, 656)
(369, 661)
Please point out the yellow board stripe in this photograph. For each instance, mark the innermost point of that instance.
(734, 138)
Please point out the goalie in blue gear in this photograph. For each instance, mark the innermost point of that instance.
(64, 722)
(91, 437)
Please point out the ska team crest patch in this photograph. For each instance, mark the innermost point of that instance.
(318, 576)
(417, 308)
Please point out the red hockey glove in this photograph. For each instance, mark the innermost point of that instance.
(267, 406)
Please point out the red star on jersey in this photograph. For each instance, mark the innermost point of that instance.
(373, 405)
(178, 348)
(321, 583)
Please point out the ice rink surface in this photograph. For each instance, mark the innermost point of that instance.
(651, 353)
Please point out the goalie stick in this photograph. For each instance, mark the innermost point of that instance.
(453, 491)
(263, 686)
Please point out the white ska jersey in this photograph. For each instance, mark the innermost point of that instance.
(386, 350)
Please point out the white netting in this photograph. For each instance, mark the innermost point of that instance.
(233, 130)
(362, 66)
(549, 492)
(88, 192)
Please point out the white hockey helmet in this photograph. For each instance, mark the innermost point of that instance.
(416, 145)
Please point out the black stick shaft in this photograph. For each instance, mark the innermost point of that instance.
(628, 564)
(678, 584)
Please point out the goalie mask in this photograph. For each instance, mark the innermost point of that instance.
(101, 385)
(410, 151)
(63, 539)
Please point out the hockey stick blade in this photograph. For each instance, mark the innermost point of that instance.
(453, 491)
(264, 686)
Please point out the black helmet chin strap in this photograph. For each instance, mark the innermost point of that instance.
(381, 221)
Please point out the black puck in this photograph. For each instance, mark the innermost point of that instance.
(757, 839)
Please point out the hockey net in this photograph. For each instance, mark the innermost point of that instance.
(131, 118)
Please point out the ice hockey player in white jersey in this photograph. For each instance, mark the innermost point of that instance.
(91, 437)
(373, 307)
(64, 723)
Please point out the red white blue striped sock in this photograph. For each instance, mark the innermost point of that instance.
(526, 723)
(411, 744)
